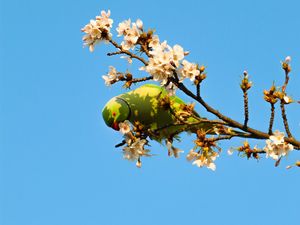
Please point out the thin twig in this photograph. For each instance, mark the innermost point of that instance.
(282, 103)
(114, 53)
(260, 151)
(135, 80)
(129, 79)
(229, 136)
(286, 81)
(219, 138)
(132, 55)
(284, 118)
(272, 118)
(198, 90)
(246, 111)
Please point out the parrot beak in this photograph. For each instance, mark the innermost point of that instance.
(115, 126)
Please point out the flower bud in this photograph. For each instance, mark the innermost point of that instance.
(279, 94)
(128, 76)
(202, 68)
(272, 89)
(246, 144)
(287, 99)
(288, 59)
(286, 67)
(245, 84)
(139, 24)
(138, 163)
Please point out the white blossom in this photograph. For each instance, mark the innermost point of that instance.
(164, 60)
(123, 27)
(277, 138)
(97, 30)
(111, 76)
(287, 99)
(276, 147)
(189, 70)
(177, 54)
(135, 150)
(289, 167)
(130, 39)
(159, 65)
(288, 59)
(212, 166)
(171, 89)
(138, 163)
(160, 49)
(154, 42)
(131, 33)
(230, 151)
(207, 162)
(192, 155)
(124, 127)
(139, 24)
(202, 160)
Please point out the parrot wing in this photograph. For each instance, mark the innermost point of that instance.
(148, 105)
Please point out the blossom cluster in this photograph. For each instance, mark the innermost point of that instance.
(274, 94)
(163, 60)
(97, 30)
(276, 147)
(206, 158)
(166, 61)
(131, 33)
(135, 148)
(168, 66)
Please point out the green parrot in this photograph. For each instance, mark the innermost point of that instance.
(161, 115)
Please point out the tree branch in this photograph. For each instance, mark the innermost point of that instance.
(132, 55)
(228, 120)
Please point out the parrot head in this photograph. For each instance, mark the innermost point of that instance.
(115, 111)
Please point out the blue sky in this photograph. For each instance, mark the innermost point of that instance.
(57, 157)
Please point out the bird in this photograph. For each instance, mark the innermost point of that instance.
(162, 116)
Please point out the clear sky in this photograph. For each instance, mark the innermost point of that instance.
(58, 165)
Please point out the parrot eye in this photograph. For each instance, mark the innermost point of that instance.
(114, 114)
